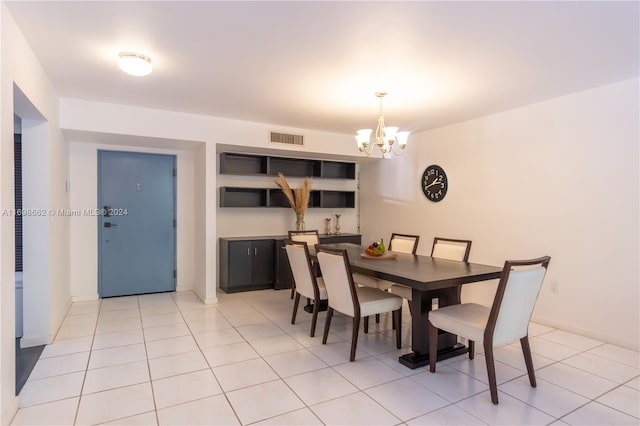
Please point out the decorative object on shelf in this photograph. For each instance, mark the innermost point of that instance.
(434, 183)
(337, 224)
(385, 137)
(327, 225)
(298, 198)
(135, 64)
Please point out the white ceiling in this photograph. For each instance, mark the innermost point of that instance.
(316, 65)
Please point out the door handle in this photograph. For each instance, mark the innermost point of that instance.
(248, 254)
(255, 251)
(109, 225)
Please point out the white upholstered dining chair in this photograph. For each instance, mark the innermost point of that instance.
(306, 282)
(506, 321)
(443, 248)
(352, 300)
(311, 237)
(399, 243)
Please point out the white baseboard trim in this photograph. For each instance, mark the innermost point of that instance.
(211, 300)
(84, 298)
(629, 344)
(27, 342)
(10, 411)
(208, 301)
(184, 288)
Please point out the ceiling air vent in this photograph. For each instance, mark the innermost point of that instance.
(287, 138)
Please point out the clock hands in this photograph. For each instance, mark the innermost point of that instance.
(437, 181)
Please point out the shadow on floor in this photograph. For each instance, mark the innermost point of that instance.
(26, 359)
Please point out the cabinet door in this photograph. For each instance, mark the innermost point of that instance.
(240, 261)
(262, 265)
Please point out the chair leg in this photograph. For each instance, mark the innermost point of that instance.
(472, 349)
(377, 318)
(314, 317)
(327, 324)
(295, 308)
(293, 289)
(528, 360)
(491, 371)
(397, 315)
(366, 325)
(354, 336)
(433, 347)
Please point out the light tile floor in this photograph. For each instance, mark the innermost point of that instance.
(169, 359)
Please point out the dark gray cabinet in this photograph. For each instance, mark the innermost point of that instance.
(246, 264)
(256, 263)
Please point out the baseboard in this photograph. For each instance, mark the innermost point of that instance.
(629, 344)
(84, 298)
(184, 288)
(211, 300)
(27, 342)
(10, 411)
(208, 301)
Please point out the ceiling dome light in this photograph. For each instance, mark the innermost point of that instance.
(135, 64)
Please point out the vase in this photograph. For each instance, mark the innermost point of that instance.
(299, 221)
(337, 224)
(327, 225)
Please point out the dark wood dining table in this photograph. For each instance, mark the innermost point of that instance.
(429, 278)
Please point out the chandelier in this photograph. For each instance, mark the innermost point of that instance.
(385, 137)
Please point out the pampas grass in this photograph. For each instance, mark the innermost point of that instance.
(298, 197)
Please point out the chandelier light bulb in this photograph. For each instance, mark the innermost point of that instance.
(390, 134)
(402, 137)
(135, 64)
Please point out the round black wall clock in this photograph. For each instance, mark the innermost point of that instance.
(434, 183)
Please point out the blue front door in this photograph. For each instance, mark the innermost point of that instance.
(137, 234)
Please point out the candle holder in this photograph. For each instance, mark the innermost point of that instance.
(337, 224)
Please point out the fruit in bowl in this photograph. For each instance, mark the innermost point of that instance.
(376, 249)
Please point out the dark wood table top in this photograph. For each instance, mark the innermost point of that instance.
(423, 273)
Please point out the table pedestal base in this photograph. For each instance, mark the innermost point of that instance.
(413, 360)
(324, 304)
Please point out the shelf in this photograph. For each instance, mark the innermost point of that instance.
(273, 197)
(294, 167)
(243, 197)
(278, 199)
(249, 164)
(338, 170)
(337, 199)
(242, 164)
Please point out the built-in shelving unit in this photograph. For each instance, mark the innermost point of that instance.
(265, 165)
(250, 164)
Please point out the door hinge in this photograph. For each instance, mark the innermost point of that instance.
(175, 172)
(175, 273)
(175, 223)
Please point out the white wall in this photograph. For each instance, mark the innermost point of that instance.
(84, 229)
(558, 177)
(36, 235)
(94, 118)
(19, 68)
(241, 221)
